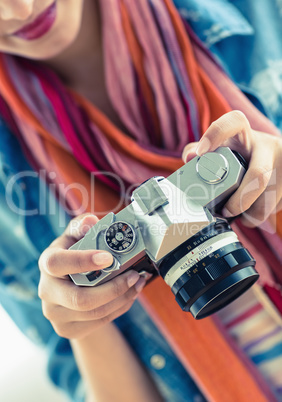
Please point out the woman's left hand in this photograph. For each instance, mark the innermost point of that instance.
(260, 192)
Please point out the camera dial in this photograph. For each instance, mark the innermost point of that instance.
(120, 237)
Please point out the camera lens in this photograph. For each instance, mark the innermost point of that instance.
(209, 270)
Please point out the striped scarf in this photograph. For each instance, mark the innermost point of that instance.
(166, 89)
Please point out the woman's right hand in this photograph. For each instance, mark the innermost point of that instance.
(76, 311)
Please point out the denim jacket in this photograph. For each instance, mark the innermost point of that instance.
(245, 36)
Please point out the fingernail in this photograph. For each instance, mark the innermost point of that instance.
(102, 259)
(145, 275)
(190, 155)
(140, 285)
(84, 229)
(84, 226)
(226, 213)
(132, 278)
(203, 147)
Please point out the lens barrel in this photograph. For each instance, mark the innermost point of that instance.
(209, 270)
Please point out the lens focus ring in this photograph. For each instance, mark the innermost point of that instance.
(203, 266)
(214, 270)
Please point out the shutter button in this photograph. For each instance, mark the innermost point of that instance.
(212, 167)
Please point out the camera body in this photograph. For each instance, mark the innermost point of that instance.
(171, 228)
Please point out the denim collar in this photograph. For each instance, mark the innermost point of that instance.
(213, 20)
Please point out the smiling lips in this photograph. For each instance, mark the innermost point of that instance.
(40, 26)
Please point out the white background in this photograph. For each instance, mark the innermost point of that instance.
(23, 375)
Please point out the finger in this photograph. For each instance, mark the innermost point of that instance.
(76, 229)
(66, 294)
(264, 206)
(225, 128)
(268, 203)
(189, 152)
(254, 183)
(56, 313)
(79, 330)
(59, 263)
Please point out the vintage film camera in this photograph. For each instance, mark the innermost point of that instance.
(172, 228)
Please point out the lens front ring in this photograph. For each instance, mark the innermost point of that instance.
(227, 290)
(209, 270)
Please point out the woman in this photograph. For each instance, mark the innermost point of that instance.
(91, 122)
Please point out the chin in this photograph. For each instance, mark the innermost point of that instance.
(51, 45)
(57, 44)
(43, 49)
(53, 50)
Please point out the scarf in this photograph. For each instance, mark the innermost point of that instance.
(166, 89)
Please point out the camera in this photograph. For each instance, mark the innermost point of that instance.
(173, 228)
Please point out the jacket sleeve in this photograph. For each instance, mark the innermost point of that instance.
(30, 218)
